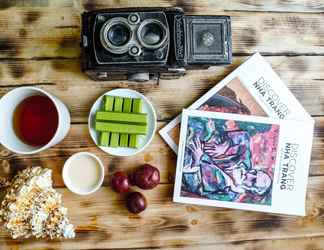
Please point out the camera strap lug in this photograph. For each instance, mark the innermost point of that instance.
(84, 41)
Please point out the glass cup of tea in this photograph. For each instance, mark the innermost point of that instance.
(32, 120)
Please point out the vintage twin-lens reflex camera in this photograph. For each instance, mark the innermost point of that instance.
(146, 43)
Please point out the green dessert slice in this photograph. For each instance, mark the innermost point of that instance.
(114, 140)
(137, 105)
(133, 141)
(104, 139)
(118, 106)
(121, 128)
(123, 141)
(136, 108)
(127, 108)
(119, 117)
(108, 105)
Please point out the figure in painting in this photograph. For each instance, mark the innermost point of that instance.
(219, 163)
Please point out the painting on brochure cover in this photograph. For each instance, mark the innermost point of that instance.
(229, 160)
(232, 98)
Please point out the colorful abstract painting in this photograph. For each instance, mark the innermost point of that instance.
(229, 160)
(232, 98)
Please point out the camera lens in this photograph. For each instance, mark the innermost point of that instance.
(115, 35)
(152, 34)
(119, 34)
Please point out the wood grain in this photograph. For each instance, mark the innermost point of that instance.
(192, 6)
(102, 222)
(54, 32)
(78, 139)
(39, 46)
(157, 154)
(308, 6)
(304, 75)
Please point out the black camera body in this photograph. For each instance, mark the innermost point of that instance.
(147, 43)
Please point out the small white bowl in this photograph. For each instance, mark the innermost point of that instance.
(144, 141)
(67, 180)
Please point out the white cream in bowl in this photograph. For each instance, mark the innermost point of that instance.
(83, 173)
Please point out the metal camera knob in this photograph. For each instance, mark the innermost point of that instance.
(134, 50)
(134, 18)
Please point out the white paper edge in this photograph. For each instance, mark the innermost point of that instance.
(164, 132)
(249, 207)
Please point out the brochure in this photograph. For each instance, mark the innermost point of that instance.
(252, 89)
(244, 162)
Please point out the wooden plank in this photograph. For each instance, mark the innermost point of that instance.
(102, 222)
(192, 6)
(39, 32)
(49, 32)
(303, 243)
(241, 5)
(27, 4)
(157, 154)
(78, 139)
(55, 32)
(304, 75)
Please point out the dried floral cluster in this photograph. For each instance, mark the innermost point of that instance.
(32, 208)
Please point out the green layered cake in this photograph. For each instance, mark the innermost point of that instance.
(121, 122)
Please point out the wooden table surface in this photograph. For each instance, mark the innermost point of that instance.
(39, 46)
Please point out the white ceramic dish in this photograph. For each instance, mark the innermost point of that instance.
(67, 180)
(144, 141)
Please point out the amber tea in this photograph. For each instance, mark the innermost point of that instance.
(36, 120)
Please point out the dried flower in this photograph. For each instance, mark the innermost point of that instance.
(32, 208)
